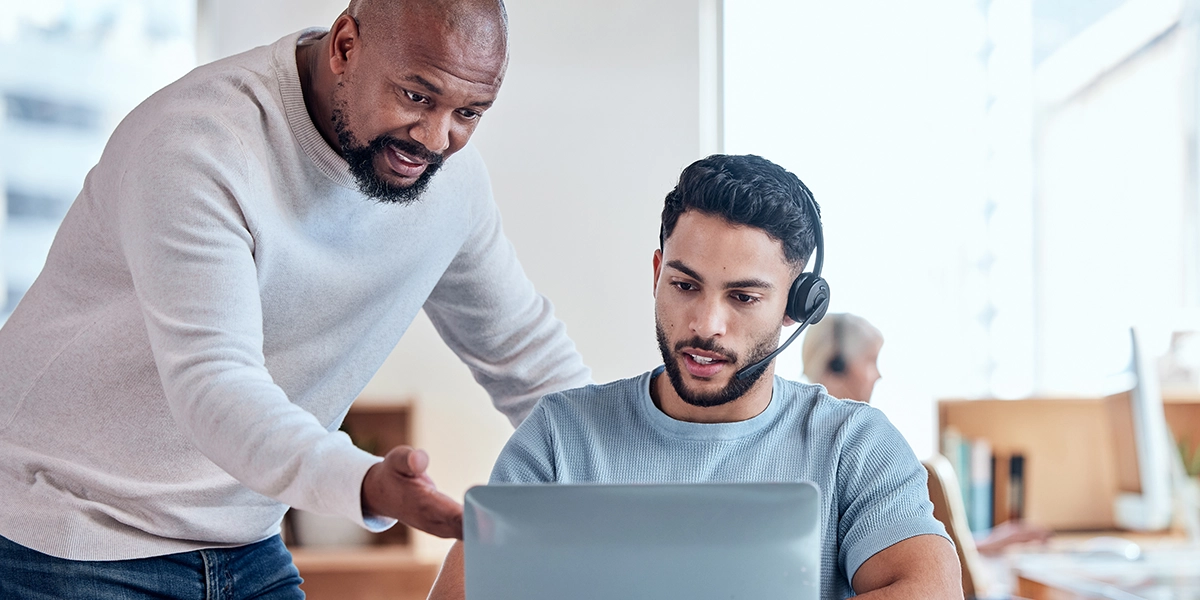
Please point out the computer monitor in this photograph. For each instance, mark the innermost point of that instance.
(698, 541)
(1147, 508)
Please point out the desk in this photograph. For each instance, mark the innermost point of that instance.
(1169, 569)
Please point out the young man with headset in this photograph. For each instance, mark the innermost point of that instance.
(736, 234)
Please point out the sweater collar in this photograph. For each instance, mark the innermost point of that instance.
(327, 160)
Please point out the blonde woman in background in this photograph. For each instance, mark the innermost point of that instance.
(840, 353)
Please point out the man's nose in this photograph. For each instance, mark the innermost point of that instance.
(709, 319)
(433, 132)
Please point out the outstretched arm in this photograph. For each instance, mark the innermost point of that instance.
(488, 312)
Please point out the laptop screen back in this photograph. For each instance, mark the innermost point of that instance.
(756, 541)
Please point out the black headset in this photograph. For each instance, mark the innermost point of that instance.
(809, 297)
(837, 364)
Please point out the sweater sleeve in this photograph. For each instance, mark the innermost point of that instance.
(190, 254)
(488, 312)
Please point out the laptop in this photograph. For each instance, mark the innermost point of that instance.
(758, 541)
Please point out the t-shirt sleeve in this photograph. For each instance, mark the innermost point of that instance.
(882, 493)
(487, 311)
(528, 457)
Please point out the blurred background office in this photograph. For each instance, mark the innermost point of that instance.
(1006, 185)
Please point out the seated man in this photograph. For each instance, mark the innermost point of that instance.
(736, 232)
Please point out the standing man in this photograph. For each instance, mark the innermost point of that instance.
(253, 243)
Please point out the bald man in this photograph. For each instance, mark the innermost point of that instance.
(254, 241)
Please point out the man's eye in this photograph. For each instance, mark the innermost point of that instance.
(415, 97)
(468, 114)
(684, 286)
(745, 298)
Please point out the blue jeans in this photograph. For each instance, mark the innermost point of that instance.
(260, 570)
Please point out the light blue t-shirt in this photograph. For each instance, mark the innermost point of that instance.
(873, 488)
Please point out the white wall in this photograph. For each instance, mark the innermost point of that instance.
(600, 111)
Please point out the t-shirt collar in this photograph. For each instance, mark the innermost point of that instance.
(703, 431)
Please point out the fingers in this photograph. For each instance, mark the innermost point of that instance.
(408, 461)
(418, 461)
(448, 525)
(411, 496)
(441, 515)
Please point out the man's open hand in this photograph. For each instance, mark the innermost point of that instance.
(399, 488)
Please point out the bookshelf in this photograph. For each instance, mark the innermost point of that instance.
(384, 565)
(1075, 451)
(1070, 476)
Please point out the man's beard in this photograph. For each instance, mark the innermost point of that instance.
(361, 159)
(736, 388)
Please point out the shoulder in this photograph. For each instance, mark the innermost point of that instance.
(213, 109)
(812, 403)
(837, 425)
(590, 412)
(595, 401)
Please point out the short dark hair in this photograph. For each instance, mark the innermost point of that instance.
(747, 190)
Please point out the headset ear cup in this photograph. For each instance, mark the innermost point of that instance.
(809, 298)
(837, 364)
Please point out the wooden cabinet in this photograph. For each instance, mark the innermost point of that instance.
(388, 572)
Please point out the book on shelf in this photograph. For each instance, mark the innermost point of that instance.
(992, 483)
(979, 511)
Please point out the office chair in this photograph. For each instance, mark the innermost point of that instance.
(948, 508)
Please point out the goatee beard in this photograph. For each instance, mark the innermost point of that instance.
(736, 388)
(361, 159)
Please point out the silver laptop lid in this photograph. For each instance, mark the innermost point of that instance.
(757, 541)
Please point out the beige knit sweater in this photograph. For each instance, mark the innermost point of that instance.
(216, 297)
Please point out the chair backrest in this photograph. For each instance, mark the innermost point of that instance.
(948, 508)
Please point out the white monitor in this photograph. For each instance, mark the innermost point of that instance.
(1148, 509)
(758, 541)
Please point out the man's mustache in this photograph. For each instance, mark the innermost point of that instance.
(708, 345)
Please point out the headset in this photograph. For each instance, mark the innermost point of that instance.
(837, 364)
(809, 297)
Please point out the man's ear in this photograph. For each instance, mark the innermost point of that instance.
(788, 321)
(657, 271)
(344, 43)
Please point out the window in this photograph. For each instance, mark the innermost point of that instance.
(72, 70)
(1007, 185)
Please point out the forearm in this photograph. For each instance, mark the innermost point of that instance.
(530, 358)
(450, 583)
(915, 590)
(272, 446)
